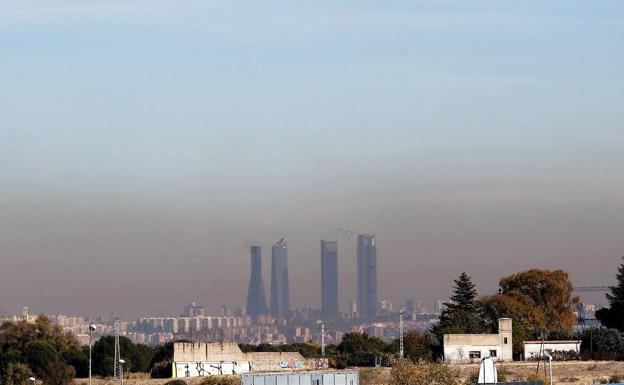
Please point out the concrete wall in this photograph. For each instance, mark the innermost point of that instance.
(532, 349)
(311, 378)
(193, 359)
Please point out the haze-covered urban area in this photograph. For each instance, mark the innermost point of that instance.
(376, 192)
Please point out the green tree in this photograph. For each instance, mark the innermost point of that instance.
(418, 346)
(41, 346)
(40, 356)
(138, 357)
(460, 315)
(360, 349)
(602, 343)
(613, 316)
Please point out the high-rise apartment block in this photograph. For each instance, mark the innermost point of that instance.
(256, 300)
(280, 295)
(367, 275)
(329, 279)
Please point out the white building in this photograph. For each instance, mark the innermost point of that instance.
(463, 348)
(533, 349)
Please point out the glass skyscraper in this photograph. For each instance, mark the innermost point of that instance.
(256, 301)
(280, 294)
(329, 279)
(367, 276)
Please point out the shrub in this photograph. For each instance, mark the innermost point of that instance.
(404, 372)
(221, 380)
(602, 343)
(17, 374)
(175, 382)
(538, 377)
(161, 370)
(337, 362)
(615, 379)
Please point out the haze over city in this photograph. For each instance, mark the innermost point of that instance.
(146, 145)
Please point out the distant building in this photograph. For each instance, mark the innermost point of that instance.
(367, 275)
(193, 310)
(410, 306)
(280, 294)
(352, 309)
(329, 279)
(463, 348)
(385, 306)
(256, 301)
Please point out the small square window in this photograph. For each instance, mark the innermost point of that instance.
(492, 353)
(474, 354)
(505, 340)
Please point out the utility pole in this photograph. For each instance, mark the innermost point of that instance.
(401, 347)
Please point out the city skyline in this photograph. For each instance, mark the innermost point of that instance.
(147, 144)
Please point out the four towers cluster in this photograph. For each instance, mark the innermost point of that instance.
(280, 289)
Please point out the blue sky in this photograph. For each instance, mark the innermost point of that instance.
(223, 122)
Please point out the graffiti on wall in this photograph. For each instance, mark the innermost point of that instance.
(202, 369)
(291, 364)
(318, 363)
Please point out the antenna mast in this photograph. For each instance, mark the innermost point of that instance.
(117, 349)
(323, 340)
(401, 347)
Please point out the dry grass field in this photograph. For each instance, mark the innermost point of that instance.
(564, 373)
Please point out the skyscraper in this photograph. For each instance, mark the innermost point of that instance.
(280, 295)
(329, 279)
(256, 301)
(367, 275)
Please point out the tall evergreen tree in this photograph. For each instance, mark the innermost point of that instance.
(460, 314)
(613, 316)
(464, 293)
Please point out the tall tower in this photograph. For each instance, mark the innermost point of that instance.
(367, 275)
(329, 279)
(280, 295)
(256, 300)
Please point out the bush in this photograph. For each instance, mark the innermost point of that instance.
(337, 362)
(405, 372)
(221, 380)
(175, 382)
(538, 377)
(162, 370)
(615, 379)
(17, 374)
(602, 344)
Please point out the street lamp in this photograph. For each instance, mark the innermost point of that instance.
(549, 358)
(91, 330)
(121, 364)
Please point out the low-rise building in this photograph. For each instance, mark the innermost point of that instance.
(462, 348)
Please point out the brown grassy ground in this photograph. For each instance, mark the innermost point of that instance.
(564, 373)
